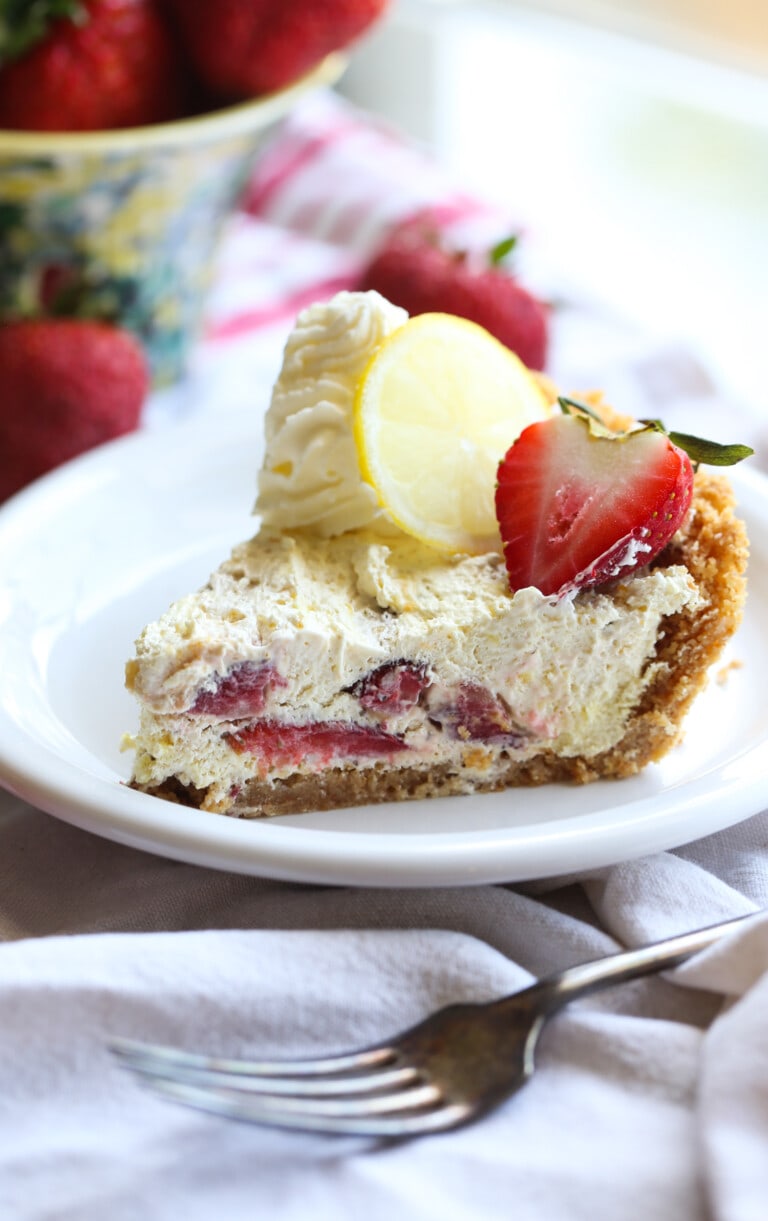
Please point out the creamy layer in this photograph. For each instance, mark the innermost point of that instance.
(311, 477)
(297, 626)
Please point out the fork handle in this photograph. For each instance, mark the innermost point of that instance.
(630, 964)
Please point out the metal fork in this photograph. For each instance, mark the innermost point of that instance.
(449, 1069)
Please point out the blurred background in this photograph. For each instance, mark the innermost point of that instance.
(631, 138)
(625, 142)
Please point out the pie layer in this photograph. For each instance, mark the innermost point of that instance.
(318, 672)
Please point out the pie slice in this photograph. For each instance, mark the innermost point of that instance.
(335, 659)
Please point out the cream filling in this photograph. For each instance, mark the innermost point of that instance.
(326, 613)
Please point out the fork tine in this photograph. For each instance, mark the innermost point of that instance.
(302, 1085)
(151, 1056)
(296, 1087)
(297, 1114)
(340, 1103)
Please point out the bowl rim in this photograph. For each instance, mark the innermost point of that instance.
(196, 129)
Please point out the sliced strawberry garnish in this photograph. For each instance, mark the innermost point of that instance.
(243, 692)
(392, 688)
(277, 744)
(578, 506)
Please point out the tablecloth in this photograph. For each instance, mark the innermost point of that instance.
(649, 1101)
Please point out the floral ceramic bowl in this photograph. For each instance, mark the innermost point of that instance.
(123, 224)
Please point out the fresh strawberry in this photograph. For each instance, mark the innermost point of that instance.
(579, 505)
(576, 509)
(87, 65)
(415, 270)
(66, 385)
(244, 48)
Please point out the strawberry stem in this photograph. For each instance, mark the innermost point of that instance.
(570, 406)
(711, 453)
(499, 252)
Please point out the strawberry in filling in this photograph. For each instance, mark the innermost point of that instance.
(475, 715)
(241, 693)
(278, 745)
(393, 688)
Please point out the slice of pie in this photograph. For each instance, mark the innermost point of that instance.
(337, 659)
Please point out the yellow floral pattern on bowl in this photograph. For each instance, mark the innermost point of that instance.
(124, 225)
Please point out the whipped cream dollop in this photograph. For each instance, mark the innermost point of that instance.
(311, 479)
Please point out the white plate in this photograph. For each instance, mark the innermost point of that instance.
(92, 552)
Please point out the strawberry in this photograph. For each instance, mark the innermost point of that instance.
(477, 715)
(244, 48)
(578, 505)
(415, 270)
(243, 693)
(393, 688)
(66, 385)
(276, 744)
(87, 65)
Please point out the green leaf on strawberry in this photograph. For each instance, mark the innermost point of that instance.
(88, 65)
(699, 450)
(596, 424)
(23, 23)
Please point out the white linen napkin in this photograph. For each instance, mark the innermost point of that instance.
(650, 1099)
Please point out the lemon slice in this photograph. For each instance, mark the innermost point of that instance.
(435, 411)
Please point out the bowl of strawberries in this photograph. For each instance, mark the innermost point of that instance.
(128, 129)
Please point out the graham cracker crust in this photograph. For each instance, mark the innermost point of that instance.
(712, 545)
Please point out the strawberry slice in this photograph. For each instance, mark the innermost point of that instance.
(578, 506)
(393, 688)
(278, 744)
(243, 692)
